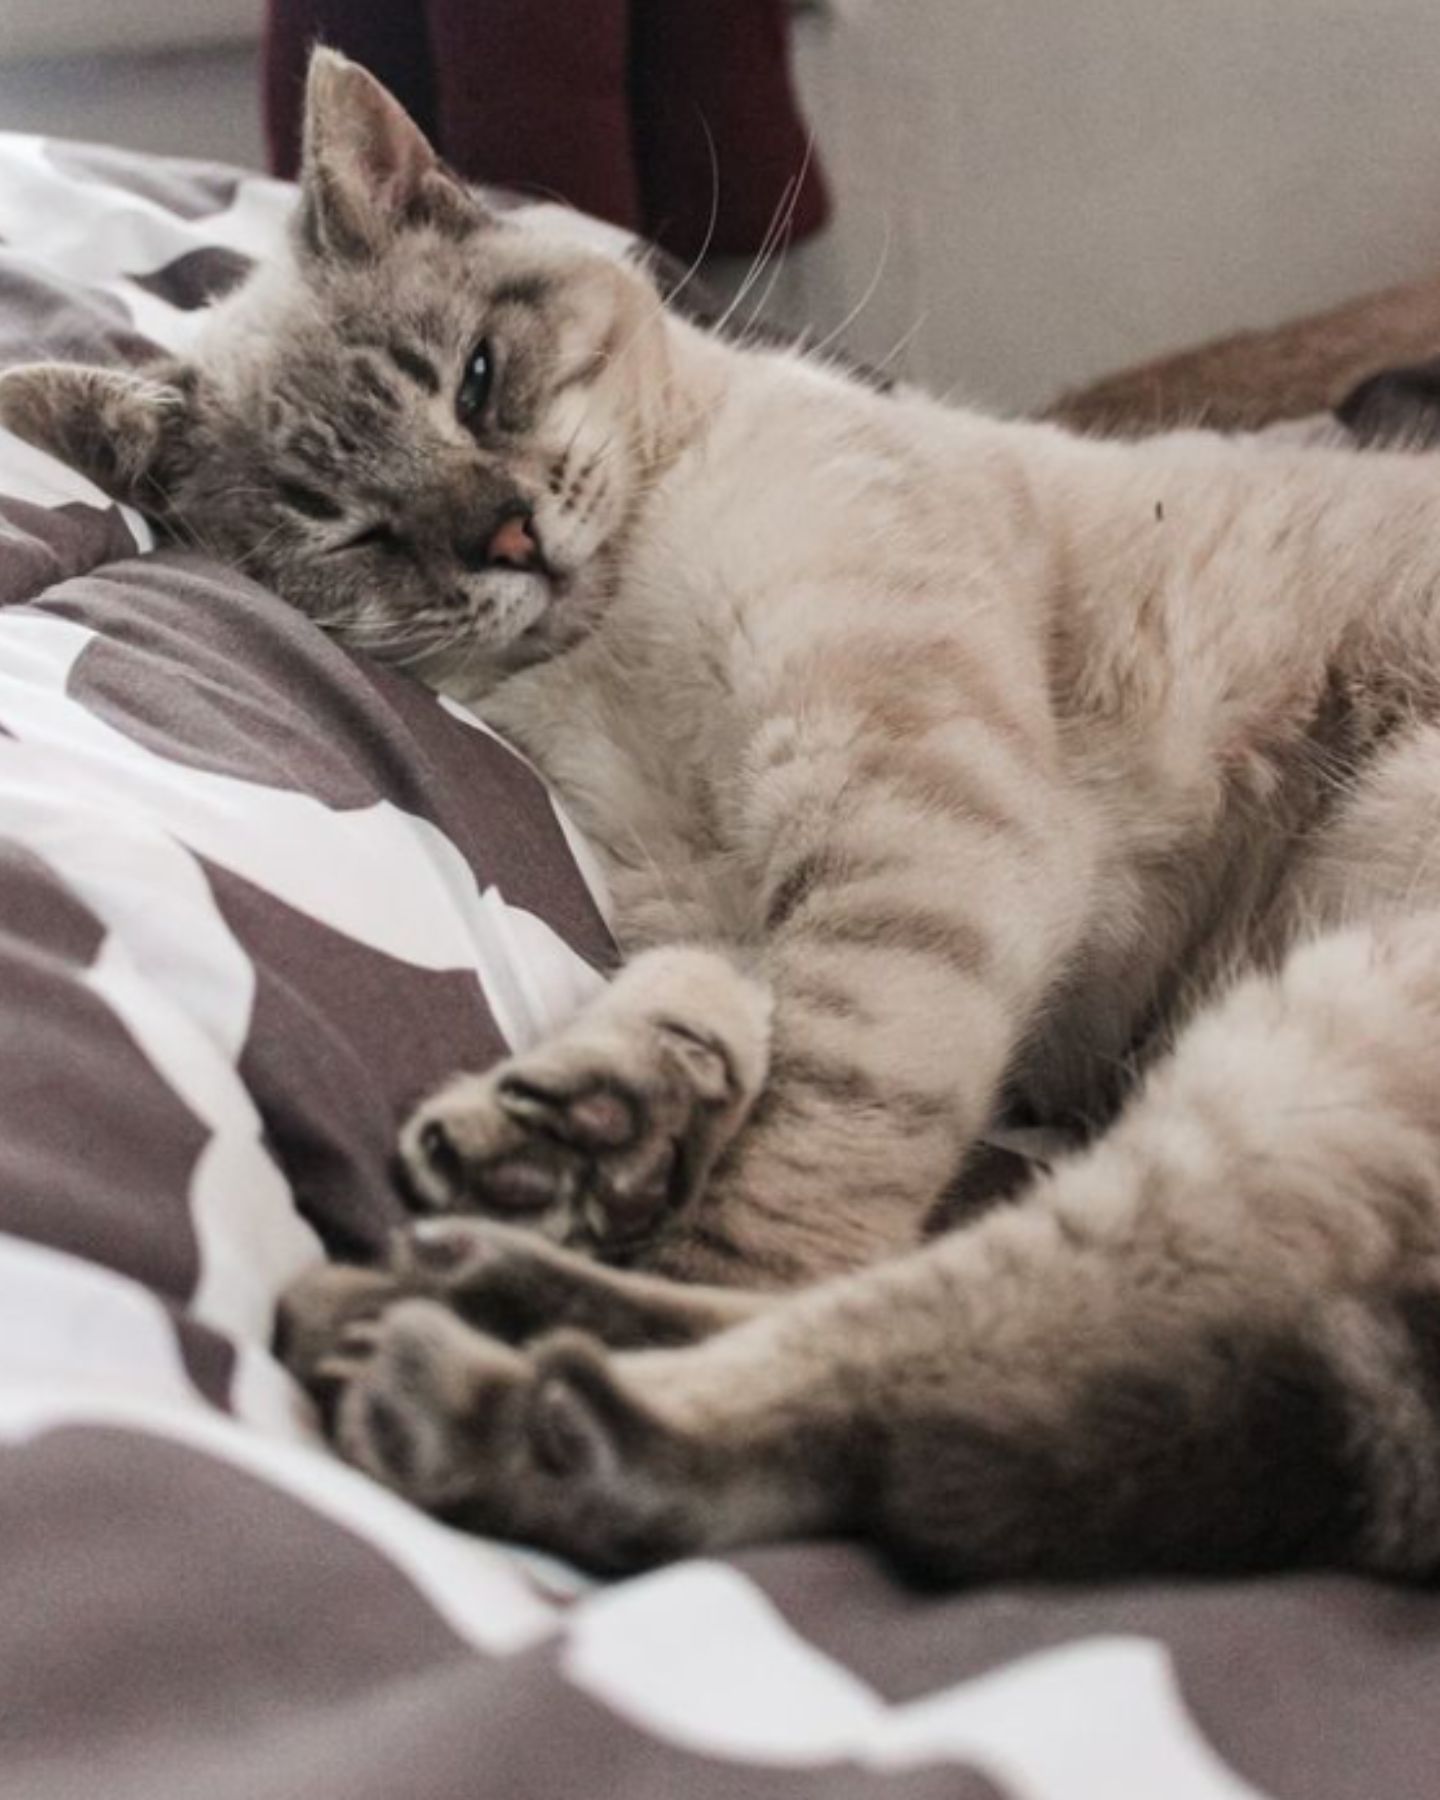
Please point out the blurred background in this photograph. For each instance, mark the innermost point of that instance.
(1026, 193)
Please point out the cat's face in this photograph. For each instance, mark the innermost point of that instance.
(427, 427)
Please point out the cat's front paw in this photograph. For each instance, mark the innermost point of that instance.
(542, 1446)
(601, 1137)
(596, 1145)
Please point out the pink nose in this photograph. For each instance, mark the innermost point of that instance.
(514, 545)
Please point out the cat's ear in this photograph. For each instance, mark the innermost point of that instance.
(368, 170)
(128, 430)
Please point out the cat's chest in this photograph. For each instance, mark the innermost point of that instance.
(639, 733)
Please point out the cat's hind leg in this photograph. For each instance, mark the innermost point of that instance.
(1207, 1344)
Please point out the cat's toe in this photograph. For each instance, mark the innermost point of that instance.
(465, 1150)
(421, 1409)
(504, 1281)
(598, 1114)
(317, 1310)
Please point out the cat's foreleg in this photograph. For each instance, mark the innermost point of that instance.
(1207, 1344)
(894, 916)
(836, 1085)
(916, 897)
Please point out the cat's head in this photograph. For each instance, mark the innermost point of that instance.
(424, 424)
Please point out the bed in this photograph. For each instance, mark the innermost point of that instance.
(255, 895)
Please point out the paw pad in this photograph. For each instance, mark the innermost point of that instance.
(601, 1117)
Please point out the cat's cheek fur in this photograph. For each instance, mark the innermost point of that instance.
(600, 446)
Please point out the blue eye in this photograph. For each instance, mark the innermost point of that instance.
(475, 385)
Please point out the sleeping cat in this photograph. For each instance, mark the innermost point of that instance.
(930, 757)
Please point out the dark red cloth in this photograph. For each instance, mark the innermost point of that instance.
(660, 115)
(712, 98)
(532, 95)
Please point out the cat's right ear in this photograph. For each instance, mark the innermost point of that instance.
(368, 170)
(127, 430)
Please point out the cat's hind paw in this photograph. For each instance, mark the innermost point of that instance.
(542, 1446)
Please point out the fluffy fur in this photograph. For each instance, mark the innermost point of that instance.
(933, 758)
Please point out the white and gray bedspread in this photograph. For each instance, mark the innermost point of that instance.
(255, 895)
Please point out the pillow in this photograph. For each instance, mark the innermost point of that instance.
(259, 894)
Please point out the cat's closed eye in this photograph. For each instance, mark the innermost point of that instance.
(376, 536)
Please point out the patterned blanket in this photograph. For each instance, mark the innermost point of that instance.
(255, 895)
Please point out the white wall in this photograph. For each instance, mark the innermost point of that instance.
(71, 27)
(203, 102)
(1053, 188)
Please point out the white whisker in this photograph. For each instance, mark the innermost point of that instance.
(871, 287)
(776, 234)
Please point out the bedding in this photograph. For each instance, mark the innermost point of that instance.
(256, 894)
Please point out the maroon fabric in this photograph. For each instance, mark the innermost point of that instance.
(713, 102)
(388, 36)
(674, 117)
(533, 96)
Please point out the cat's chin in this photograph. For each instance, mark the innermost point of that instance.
(576, 605)
(471, 668)
(557, 631)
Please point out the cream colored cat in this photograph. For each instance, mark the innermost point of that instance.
(931, 756)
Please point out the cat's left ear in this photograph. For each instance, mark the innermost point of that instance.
(127, 430)
(368, 170)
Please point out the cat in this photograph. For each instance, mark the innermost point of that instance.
(933, 759)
